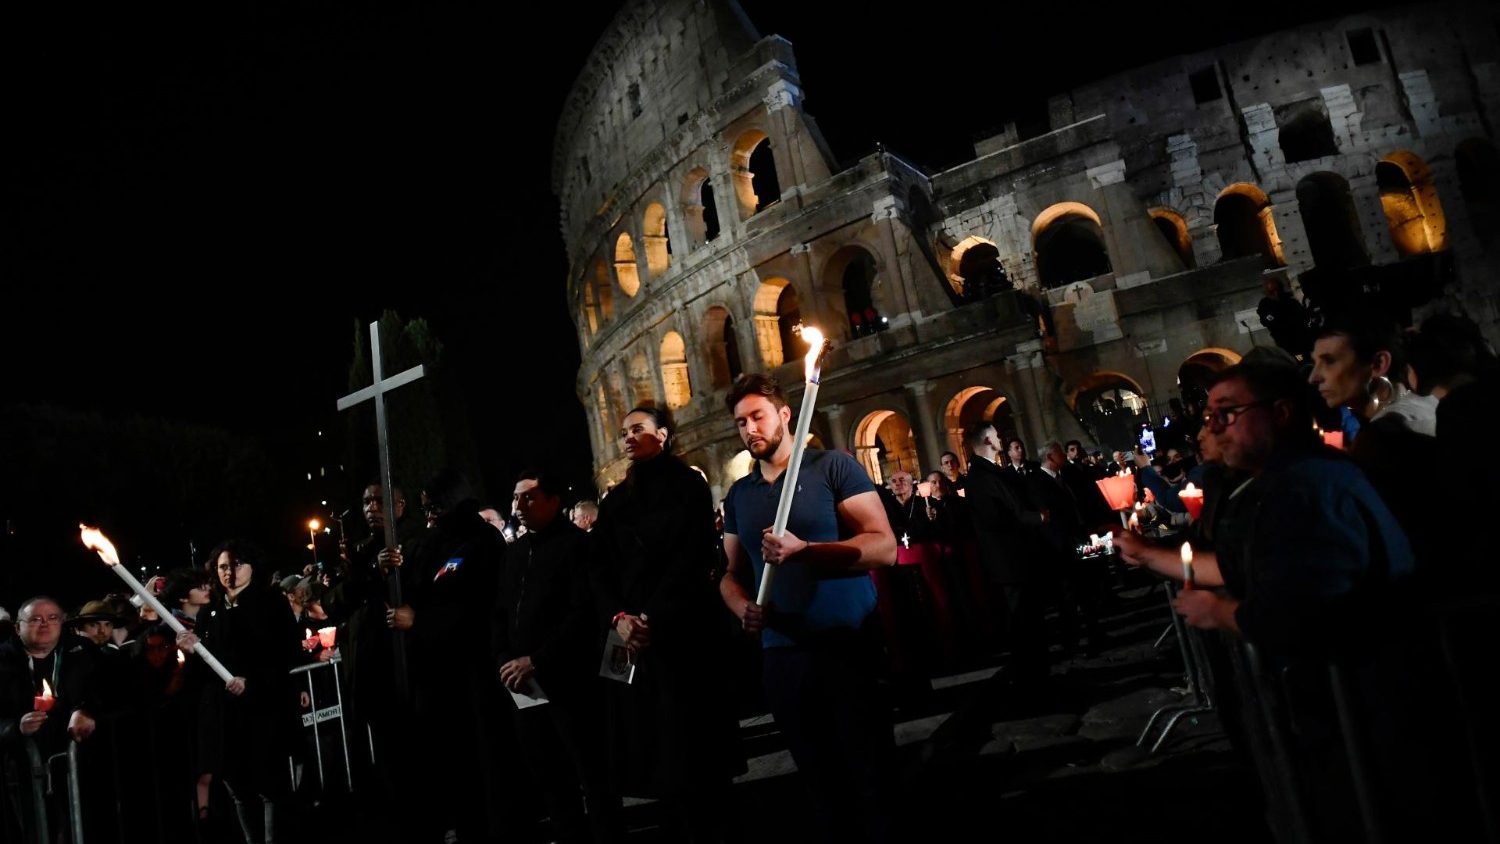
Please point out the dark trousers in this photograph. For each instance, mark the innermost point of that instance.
(563, 746)
(827, 704)
(1025, 607)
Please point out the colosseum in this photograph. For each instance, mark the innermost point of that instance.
(1069, 280)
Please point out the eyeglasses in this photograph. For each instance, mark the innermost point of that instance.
(1223, 417)
(38, 619)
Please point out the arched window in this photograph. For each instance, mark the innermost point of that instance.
(590, 316)
(1246, 226)
(604, 291)
(674, 370)
(974, 270)
(768, 321)
(973, 405)
(754, 168)
(1069, 245)
(1200, 369)
(852, 270)
(788, 319)
(1306, 134)
(642, 384)
(654, 233)
(723, 346)
(699, 212)
(1478, 164)
(626, 270)
(1331, 221)
(883, 442)
(1410, 201)
(1174, 230)
(1114, 406)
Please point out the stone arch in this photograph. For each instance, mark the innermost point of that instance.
(642, 382)
(627, 272)
(1477, 162)
(768, 321)
(700, 212)
(590, 313)
(974, 270)
(1113, 405)
(852, 271)
(1199, 369)
(1246, 226)
(971, 406)
(604, 291)
(674, 370)
(1068, 239)
(654, 236)
(723, 346)
(883, 442)
(737, 466)
(1331, 222)
(754, 167)
(1174, 229)
(1410, 201)
(1306, 135)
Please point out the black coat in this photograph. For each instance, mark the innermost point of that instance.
(544, 608)
(1005, 523)
(1064, 530)
(75, 689)
(457, 573)
(654, 551)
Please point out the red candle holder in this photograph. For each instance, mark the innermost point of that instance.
(327, 636)
(1192, 499)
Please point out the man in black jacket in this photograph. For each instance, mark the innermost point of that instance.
(1007, 526)
(454, 576)
(42, 651)
(546, 647)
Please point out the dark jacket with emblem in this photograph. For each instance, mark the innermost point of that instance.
(1005, 522)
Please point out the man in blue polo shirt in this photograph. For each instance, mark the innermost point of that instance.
(819, 670)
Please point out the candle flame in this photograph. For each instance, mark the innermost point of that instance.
(96, 541)
(1187, 554)
(307, 632)
(181, 657)
(1188, 490)
(814, 340)
(46, 688)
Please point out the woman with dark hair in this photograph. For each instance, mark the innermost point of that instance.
(254, 718)
(653, 554)
(186, 593)
(1359, 362)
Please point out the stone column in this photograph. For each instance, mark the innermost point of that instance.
(927, 429)
(838, 429)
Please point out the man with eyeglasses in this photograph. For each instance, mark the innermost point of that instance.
(1305, 567)
(43, 651)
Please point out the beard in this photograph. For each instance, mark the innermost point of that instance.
(768, 445)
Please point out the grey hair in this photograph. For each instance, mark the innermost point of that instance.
(1041, 453)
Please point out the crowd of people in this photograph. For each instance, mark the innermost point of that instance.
(515, 672)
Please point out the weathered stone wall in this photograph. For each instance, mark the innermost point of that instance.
(678, 93)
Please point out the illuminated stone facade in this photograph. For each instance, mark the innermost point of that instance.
(704, 216)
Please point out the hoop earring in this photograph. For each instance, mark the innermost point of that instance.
(1380, 390)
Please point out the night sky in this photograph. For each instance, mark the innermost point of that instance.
(201, 202)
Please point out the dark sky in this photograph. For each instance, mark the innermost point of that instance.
(201, 201)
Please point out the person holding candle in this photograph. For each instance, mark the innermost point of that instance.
(819, 669)
(255, 717)
(653, 552)
(47, 691)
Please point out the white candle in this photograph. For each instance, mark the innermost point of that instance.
(1187, 566)
(97, 542)
(814, 339)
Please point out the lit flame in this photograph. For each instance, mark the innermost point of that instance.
(181, 657)
(46, 688)
(1187, 554)
(96, 541)
(313, 524)
(814, 340)
(1189, 490)
(307, 632)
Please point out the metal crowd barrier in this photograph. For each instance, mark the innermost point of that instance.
(1197, 695)
(316, 717)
